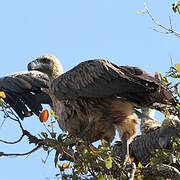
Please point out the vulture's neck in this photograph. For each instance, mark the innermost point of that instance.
(56, 72)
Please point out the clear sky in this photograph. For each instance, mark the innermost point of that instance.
(76, 30)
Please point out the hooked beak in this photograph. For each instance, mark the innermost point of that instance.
(34, 65)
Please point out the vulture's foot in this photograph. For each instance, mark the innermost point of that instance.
(131, 168)
(125, 158)
(86, 132)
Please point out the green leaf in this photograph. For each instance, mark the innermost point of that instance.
(175, 75)
(108, 162)
(105, 145)
(177, 66)
(167, 115)
(85, 151)
(100, 176)
(66, 166)
(2, 94)
(1, 101)
(140, 12)
(140, 165)
(164, 80)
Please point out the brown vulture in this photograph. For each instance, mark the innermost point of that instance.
(93, 99)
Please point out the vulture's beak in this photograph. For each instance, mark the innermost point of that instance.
(34, 65)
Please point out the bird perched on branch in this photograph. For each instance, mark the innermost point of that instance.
(93, 99)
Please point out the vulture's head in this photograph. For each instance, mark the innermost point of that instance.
(47, 64)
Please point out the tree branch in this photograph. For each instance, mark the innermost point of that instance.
(21, 154)
(13, 142)
(167, 30)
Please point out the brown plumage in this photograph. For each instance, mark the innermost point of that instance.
(95, 97)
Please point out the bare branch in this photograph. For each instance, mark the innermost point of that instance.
(13, 142)
(21, 154)
(166, 30)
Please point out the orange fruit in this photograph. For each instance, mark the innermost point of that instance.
(43, 116)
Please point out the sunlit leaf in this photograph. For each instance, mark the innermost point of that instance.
(57, 165)
(177, 67)
(85, 151)
(66, 166)
(1, 102)
(2, 95)
(105, 143)
(140, 12)
(52, 112)
(100, 176)
(140, 165)
(108, 162)
(167, 115)
(164, 80)
(54, 115)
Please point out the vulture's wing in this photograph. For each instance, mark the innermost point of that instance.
(24, 92)
(100, 78)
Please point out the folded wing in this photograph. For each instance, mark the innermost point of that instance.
(100, 78)
(24, 92)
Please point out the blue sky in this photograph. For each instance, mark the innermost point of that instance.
(76, 31)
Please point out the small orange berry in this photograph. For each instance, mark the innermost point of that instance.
(43, 116)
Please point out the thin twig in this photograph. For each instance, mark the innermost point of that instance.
(22, 154)
(14, 142)
(167, 30)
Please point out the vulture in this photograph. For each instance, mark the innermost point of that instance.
(92, 100)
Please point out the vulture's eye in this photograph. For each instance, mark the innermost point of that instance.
(46, 61)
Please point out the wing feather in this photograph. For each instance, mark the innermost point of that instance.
(24, 92)
(101, 78)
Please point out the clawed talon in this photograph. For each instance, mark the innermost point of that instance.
(125, 158)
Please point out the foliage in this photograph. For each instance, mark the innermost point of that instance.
(176, 7)
(79, 159)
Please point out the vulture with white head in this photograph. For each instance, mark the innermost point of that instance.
(93, 99)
